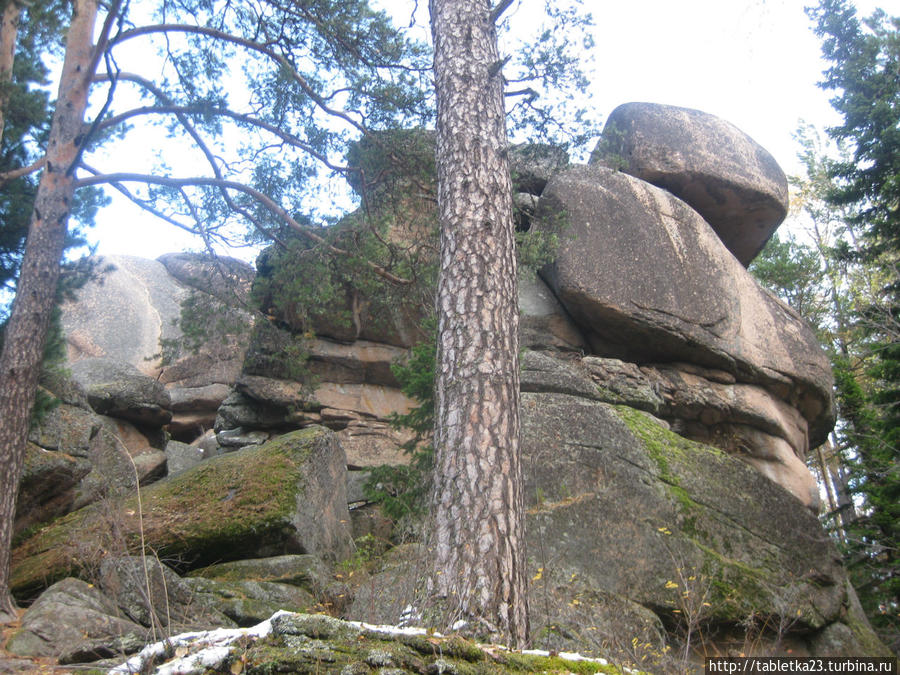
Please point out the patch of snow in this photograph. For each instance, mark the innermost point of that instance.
(210, 648)
(212, 657)
(566, 656)
(394, 630)
(212, 644)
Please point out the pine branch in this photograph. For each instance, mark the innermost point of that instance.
(265, 200)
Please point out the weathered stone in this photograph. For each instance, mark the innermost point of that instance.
(240, 438)
(181, 456)
(217, 364)
(590, 468)
(356, 481)
(118, 389)
(629, 269)
(373, 443)
(47, 486)
(532, 165)
(355, 363)
(73, 622)
(226, 278)
(278, 393)
(208, 444)
(66, 428)
(721, 172)
(375, 401)
(191, 399)
(566, 614)
(306, 571)
(626, 383)
(239, 410)
(543, 323)
(544, 374)
(124, 315)
(744, 420)
(249, 602)
(152, 594)
(288, 495)
(121, 456)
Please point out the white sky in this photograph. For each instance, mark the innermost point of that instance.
(754, 63)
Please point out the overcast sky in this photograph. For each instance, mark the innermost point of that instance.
(755, 63)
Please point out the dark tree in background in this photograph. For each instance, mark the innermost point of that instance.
(864, 74)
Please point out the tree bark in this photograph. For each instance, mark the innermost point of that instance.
(20, 361)
(478, 507)
(9, 29)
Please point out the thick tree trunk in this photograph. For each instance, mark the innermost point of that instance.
(9, 29)
(20, 361)
(479, 517)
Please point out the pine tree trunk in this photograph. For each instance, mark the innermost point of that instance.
(20, 361)
(478, 508)
(9, 29)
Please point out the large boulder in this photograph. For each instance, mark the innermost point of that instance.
(650, 280)
(287, 496)
(225, 278)
(124, 314)
(543, 323)
(74, 622)
(48, 487)
(151, 594)
(721, 172)
(119, 389)
(135, 313)
(589, 468)
(122, 456)
(632, 527)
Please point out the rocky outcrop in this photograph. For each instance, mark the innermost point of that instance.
(74, 622)
(288, 495)
(118, 389)
(626, 516)
(659, 307)
(132, 315)
(668, 406)
(726, 176)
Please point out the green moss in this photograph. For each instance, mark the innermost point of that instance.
(216, 511)
(449, 655)
(670, 452)
(531, 663)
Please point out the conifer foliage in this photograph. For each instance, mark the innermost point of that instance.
(864, 74)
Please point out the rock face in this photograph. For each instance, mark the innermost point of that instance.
(668, 404)
(287, 496)
(721, 172)
(682, 297)
(134, 316)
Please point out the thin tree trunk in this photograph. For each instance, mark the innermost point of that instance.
(9, 30)
(478, 507)
(20, 361)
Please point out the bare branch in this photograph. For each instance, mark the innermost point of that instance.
(281, 60)
(194, 134)
(264, 199)
(497, 11)
(12, 175)
(143, 204)
(528, 91)
(231, 114)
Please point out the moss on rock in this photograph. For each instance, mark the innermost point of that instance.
(237, 505)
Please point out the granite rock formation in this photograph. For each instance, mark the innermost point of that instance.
(669, 403)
